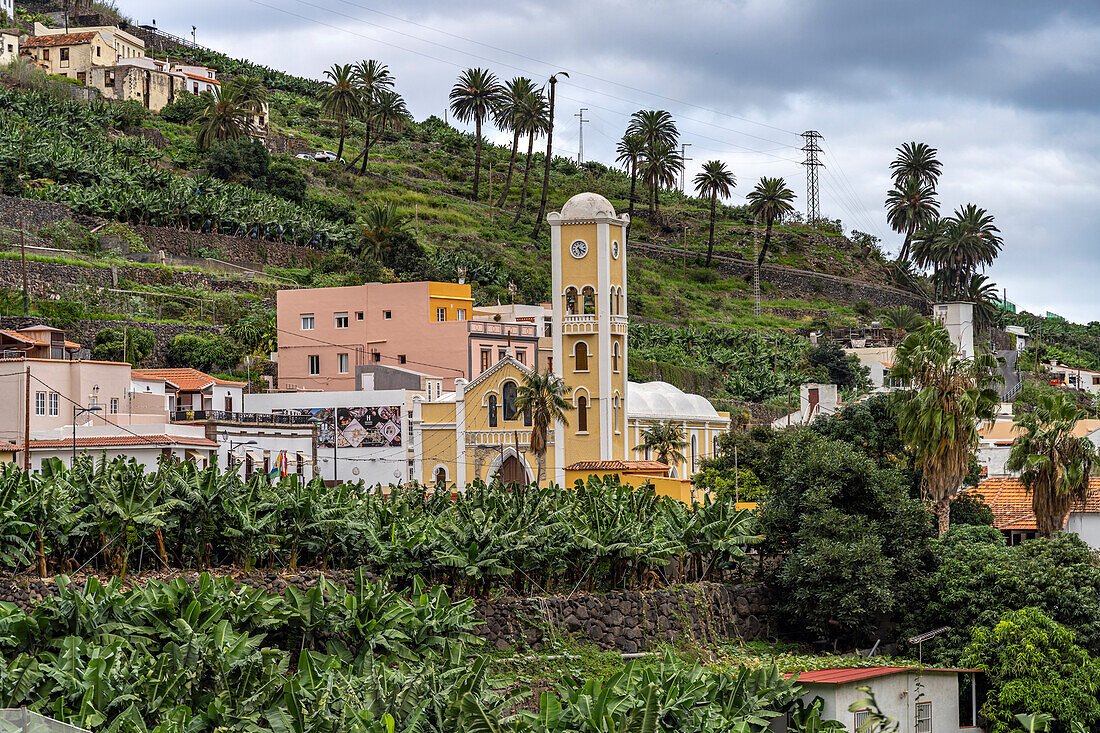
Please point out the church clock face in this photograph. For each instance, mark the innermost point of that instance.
(579, 248)
(615, 249)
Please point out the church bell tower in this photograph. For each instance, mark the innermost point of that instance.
(588, 244)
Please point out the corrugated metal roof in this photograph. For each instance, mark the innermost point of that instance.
(842, 676)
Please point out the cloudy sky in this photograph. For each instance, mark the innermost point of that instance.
(1006, 90)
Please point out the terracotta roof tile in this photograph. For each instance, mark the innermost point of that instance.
(125, 441)
(60, 39)
(841, 676)
(1011, 502)
(6, 446)
(188, 380)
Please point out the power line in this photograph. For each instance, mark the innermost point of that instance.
(813, 199)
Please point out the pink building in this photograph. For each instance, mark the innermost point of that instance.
(325, 334)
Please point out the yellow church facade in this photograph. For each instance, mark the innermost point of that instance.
(475, 431)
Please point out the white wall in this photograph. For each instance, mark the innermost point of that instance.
(1085, 525)
(896, 695)
(270, 439)
(385, 465)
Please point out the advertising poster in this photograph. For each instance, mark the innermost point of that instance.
(358, 427)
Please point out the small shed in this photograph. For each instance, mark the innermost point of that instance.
(921, 700)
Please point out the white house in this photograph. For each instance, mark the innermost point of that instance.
(144, 443)
(814, 400)
(958, 318)
(1075, 377)
(360, 435)
(995, 441)
(9, 43)
(1012, 514)
(921, 700)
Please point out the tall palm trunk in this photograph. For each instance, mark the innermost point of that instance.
(511, 167)
(526, 175)
(710, 245)
(366, 149)
(343, 132)
(477, 159)
(549, 157)
(767, 241)
(633, 181)
(903, 256)
(656, 201)
(943, 515)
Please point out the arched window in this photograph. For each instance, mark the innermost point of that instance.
(571, 301)
(619, 301)
(509, 394)
(588, 295)
(611, 302)
(615, 357)
(492, 410)
(615, 413)
(582, 414)
(441, 476)
(580, 357)
(715, 453)
(694, 455)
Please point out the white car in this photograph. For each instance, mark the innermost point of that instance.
(326, 156)
(304, 156)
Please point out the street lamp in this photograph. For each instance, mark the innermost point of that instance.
(233, 444)
(335, 441)
(77, 410)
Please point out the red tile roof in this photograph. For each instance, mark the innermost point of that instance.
(60, 39)
(22, 337)
(617, 466)
(125, 441)
(188, 380)
(842, 676)
(6, 446)
(196, 77)
(1011, 502)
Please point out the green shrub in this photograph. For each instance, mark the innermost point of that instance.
(127, 114)
(61, 314)
(1034, 665)
(242, 160)
(286, 181)
(126, 234)
(127, 343)
(205, 352)
(970, 508)
(183, 110)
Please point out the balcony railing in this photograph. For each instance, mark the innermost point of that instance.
(258, 418)
(492, 328)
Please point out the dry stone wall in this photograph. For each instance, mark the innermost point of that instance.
(624, 621)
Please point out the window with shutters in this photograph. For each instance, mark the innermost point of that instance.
(55, 404)
(40, 404)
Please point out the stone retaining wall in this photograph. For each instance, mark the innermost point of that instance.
(625, 621)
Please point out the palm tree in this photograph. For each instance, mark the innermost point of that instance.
(666, 441)
(508, 117)
(902, 319)
(770, 201)
(938, 415)
(533, 119)
(658, 131)
(1054, 465)
(982, 292)
(381, 224)
(475, 96)
(713, 181)
(341, 99)
(663, 164)
(911, 205)
(223, 116)
(630, 151)
(543, 395)
(372, 78)
(957, 247)
(389, 112)
(549, 153)
(916, 159)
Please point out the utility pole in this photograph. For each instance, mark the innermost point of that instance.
(193, 41)
(27, 422)
(580, 134)
(683, 167)
(813, 199)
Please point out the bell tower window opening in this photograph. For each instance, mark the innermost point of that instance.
(615, 357)
(571, 301)
(588, 301)
(582, 414)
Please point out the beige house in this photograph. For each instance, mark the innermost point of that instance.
(123, 45)
(69, 54)
(152, 88)
(9, 45)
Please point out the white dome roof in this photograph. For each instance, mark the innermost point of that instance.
(662, 401)
(587, 206)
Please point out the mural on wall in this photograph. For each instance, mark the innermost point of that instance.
(359, 427)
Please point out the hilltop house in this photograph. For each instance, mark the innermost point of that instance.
(69, 54)
(9, 44)
(121, 44)
(995, 440)
(920, 700)
(1012, 513)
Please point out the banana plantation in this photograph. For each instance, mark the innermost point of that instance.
(112, 517)
(65, 152)
(184, 658)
